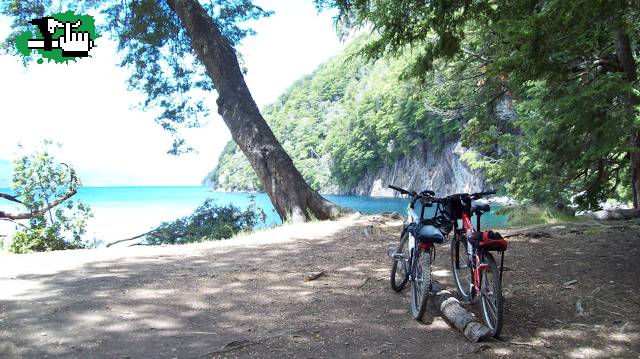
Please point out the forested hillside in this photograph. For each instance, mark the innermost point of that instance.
(352, 124)
(543, 98)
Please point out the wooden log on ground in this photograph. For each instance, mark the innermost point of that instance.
(458, 316)
(612, 214)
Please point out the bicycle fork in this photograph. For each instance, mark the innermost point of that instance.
(473, 260)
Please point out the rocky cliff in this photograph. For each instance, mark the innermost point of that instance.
(442, 171)
(354, 127)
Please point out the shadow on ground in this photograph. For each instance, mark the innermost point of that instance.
(246, 301)
(251, 300)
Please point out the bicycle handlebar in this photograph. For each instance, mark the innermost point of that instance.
(428, 196)
(401, 190)
(480, 194)
(472, 196)
(423, 196)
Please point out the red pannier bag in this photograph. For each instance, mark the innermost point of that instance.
(489, 241)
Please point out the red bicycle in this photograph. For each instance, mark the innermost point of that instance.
(475, 270)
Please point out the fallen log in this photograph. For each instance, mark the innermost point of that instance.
(613, 214)
(458, 316)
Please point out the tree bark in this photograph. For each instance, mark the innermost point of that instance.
(628, 65)
(292, 197)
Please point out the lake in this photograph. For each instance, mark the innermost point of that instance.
(122, 212)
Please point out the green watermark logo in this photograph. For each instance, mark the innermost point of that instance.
(60, 37)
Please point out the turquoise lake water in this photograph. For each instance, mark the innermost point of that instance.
(121, 212)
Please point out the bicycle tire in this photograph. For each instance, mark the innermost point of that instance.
(491, 295)
(420, 283)
(399, 267)
(460, 267)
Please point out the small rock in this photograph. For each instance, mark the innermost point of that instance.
(579, 309)
(570, 282)
(313, 276)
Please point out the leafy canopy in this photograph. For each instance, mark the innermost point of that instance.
(154, 46)
(551, 63)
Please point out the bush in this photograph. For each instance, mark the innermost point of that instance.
(39, 182)
(208, 222)
(524, 215)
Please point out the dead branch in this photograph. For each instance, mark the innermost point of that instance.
(130, 239)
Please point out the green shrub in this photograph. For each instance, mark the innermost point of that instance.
(207, 222)
(525, 215)
(38, 181)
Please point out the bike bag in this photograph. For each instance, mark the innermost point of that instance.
(441, 222)
(489, 241)
(456, 205)
(425, 233)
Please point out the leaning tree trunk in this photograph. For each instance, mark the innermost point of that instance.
(628, 65)
(291, 196)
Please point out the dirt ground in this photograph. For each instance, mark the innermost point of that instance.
(571, 292)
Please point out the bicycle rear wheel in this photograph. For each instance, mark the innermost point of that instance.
(491, 294)
(421, 283)
(399, 274)
(462, 272)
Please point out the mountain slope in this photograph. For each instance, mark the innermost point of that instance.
(354, 127)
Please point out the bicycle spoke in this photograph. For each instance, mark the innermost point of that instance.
(492, 307)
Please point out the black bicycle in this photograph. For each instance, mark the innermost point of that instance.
(411, 261)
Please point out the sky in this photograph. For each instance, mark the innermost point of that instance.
(86, 107)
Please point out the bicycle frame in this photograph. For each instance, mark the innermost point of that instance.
(472, 256)
(412, 216)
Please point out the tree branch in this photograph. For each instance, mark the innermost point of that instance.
(130, 239)
(26, 215)
(73, 183)
(10, 198)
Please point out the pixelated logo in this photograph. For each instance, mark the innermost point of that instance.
(60, 37)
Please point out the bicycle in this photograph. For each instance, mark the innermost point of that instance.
(471, 253)
(413, 257)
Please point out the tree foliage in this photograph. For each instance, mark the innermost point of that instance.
(159, 38)
(558, 64)
(39, 182)
(155, 47)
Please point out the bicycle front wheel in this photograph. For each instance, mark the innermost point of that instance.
(460, 266)
(491, 294)
(399, 274)
(420, 283)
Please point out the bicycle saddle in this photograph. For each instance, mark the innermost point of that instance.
(480, 208)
